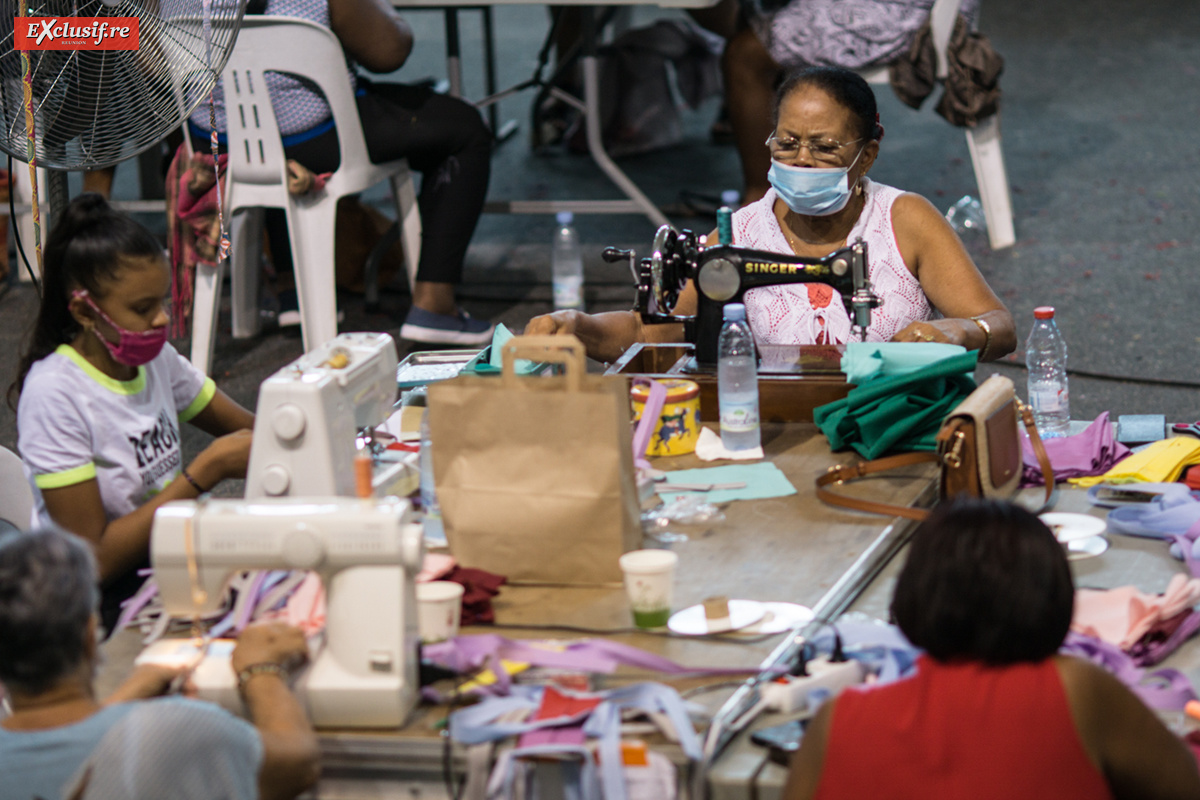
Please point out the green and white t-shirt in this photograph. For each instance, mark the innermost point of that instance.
(75, 423)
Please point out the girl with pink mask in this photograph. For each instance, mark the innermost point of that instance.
(102, 395)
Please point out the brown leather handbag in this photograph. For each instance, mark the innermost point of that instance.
(978, 449)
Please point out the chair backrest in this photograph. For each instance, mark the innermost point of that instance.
(16, 497)
(296, 47)
(941, 24)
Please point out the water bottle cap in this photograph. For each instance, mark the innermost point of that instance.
(564, 217)
(730, 197)
(1043, 312)
(735, 312)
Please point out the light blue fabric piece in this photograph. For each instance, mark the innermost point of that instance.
(762, 480)
(495, 363)
(865, 360)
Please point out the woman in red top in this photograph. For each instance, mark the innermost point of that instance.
(992, 711)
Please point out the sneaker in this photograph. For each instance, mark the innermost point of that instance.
(289, 310)
(425, 326)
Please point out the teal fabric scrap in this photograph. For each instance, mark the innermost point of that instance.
(495, 363)
(763, 479)
(866, 360)
(898, 413)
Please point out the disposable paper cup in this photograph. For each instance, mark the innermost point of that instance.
(649, 581)
(439, 610)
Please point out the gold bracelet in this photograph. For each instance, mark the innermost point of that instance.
(987, 334)
(264, 668)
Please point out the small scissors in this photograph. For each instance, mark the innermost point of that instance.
(1192, 428)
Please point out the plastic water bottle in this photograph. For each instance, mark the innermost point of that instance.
(567, 264)
(737, 381)
(1046, 358)
(435, 533)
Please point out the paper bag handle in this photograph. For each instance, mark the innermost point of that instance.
(565, 350)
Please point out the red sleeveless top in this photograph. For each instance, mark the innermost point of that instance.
(961, 730)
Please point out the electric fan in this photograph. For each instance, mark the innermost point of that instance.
(94, 108)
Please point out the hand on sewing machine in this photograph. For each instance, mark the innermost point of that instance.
(149, 680)
(226, 457)
(270, 643)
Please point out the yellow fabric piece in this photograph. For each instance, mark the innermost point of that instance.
(1161, 462)
(487, 677)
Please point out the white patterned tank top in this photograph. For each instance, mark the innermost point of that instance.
(814, 313)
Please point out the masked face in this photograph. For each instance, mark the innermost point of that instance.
(133, 348)
(814, 192)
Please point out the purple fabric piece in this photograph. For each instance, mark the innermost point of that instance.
(1147, 652)
(651, 411)
(131, 607)
(1092, 451)
(1164, 689)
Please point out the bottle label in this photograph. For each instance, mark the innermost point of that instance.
(568, 292)
(1047, 399)
(739, 417)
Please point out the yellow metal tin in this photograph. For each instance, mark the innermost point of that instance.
(678, 426)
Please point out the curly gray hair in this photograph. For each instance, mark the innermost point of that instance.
(48, 591)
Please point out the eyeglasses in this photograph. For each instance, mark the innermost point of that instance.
(823, 151)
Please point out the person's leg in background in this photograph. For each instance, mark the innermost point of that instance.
(750, 79)
(445, 139)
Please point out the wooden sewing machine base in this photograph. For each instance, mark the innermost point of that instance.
(791, 383)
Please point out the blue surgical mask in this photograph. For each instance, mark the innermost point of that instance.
(812, 192)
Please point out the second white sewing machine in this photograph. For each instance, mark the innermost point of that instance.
(308, 417)
(367, 553)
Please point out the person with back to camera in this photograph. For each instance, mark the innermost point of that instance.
(60, 741)
(443, 137)
(825, 141)
(992, 711)
(102, 394)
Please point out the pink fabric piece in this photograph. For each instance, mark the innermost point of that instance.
(435, 567)
(1123, 615)
(1092, 451)
(306, 607)
(785, 314)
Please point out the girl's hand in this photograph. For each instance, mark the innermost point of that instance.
(227, 457)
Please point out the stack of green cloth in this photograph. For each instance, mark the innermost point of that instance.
(898, 412)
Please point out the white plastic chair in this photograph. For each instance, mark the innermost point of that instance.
(983, 140)
(16, 497)
(257, 179)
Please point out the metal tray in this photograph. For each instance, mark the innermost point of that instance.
(430, 366)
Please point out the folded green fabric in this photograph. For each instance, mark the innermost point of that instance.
(866, 360)
(898, 413)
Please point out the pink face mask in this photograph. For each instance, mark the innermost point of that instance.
(135, 347)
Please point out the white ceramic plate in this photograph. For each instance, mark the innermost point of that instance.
(1068, 527)
(780, 617)
(692, 622)
(1078, 549)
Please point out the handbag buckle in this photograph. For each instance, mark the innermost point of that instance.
(953, 458)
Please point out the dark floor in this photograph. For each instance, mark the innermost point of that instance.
(1101, 103)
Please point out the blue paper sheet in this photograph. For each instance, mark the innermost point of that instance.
(762, 480)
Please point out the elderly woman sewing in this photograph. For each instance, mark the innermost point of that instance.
(826, 139)
(992, 711)
(170, 747)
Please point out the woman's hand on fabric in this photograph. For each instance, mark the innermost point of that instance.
(146, 681)
(946, 331)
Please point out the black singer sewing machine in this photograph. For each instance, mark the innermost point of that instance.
(723, 273)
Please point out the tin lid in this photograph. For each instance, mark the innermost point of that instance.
(677, 390)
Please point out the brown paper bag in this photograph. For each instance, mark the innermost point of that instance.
(535, 474)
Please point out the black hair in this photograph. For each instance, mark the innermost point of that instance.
(985, 581)
(84, 250)
(845, 86)
(48, 592)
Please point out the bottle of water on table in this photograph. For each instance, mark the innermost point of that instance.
(435, 533)
(1046, 358)
(737, 381)
(567, 264)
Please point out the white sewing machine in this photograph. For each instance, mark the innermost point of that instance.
(308, 416)
(366, 552)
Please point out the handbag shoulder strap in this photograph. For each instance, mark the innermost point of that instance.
(847, 472)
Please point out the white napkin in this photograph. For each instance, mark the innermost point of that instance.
(710, 448)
